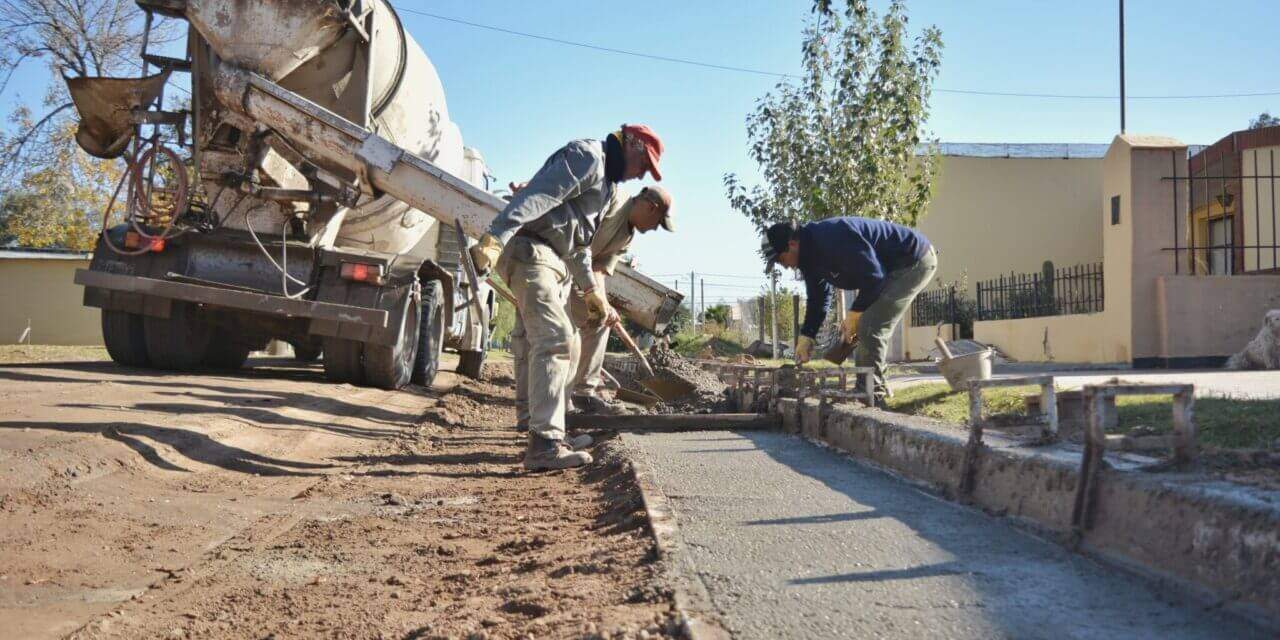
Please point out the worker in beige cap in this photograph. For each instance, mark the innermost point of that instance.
(541, 243)
(644, 212)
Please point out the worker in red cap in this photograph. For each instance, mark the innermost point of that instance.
(540, 244)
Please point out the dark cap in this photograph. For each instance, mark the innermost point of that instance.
(775, 240)
(662, 200)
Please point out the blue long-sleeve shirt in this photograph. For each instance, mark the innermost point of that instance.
(852, 253)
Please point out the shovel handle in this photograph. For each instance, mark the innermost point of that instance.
(631, 344)
(502, 292)
(942, 348)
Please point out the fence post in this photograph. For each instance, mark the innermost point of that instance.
(955, 333)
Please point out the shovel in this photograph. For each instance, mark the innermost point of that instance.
(666, 388)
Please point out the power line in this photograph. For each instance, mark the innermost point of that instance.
(790, 76)
(593, 47)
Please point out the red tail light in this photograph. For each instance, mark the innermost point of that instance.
(361, 272)
(134, 240)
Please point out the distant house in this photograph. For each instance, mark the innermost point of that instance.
(38, 292)
(1121, 253)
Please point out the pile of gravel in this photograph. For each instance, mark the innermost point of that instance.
(708, 396)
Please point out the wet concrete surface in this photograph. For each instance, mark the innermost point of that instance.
(796, 541)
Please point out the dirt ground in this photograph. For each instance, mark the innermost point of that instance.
(272, 504)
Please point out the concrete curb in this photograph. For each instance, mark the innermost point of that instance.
(1218, 541)
(692, 601)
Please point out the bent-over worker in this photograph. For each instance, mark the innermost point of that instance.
(642, 213)
(889, 264)
(539, 244)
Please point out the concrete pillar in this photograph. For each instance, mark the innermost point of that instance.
(1139, 224)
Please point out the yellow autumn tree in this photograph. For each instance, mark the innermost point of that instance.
(59, 202)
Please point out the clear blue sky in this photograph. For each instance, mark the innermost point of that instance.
(516, 99)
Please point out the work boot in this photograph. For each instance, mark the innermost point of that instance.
(594, 405)
(579, 442)
(544, 453)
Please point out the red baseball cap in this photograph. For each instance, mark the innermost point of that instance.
(652, 144)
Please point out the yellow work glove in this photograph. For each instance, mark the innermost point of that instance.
(849, 326)
(484, 254)
(599, 312)
(804, 349)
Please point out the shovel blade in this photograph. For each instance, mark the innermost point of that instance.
(840, 351)
(644, 399)
(668, 389)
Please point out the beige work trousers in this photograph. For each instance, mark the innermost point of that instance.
(542, 338)
(588, 352)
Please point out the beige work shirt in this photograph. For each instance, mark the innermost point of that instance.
(614, 234)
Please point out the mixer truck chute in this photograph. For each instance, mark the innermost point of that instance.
(313, 204)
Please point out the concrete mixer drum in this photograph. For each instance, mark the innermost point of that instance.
(325, 163)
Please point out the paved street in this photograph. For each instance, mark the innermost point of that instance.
(795, 541)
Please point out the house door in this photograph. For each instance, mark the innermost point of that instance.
(1220, 262)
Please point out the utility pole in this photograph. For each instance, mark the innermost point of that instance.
(773, 311)
(693, 299)
(703, 295)
(760, 319)
(795, 320)
(1122, 99)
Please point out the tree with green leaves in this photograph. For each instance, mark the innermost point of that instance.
(59, 202)
(717, 313)
(1264, 119)
(846, 138)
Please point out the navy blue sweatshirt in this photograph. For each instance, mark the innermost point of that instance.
(852, 253)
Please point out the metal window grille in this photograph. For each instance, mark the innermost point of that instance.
(1054, 292)
(1224, 206)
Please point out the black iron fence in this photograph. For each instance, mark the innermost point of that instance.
(934, 307)
(1053, 292)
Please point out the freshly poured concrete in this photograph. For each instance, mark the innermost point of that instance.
(796, 541)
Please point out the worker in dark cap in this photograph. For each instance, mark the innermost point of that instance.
(888, 264)
(541, 244)
(622, 220)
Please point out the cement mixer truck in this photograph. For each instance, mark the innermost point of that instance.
(314, 191)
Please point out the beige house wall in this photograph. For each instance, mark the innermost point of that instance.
(993, 216)
(916, 341)
(1212, 316)
(1074, 338)
(1259, 207)
(41, 291)
(1117, 251)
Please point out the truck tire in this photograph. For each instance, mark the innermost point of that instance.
(342, 360)
(179, 342)
(124, 337)
(391, 366)
(430, 334)
(471, 364)
(304, 352)
(225, 353)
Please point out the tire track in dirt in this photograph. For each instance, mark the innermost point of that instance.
(391, 515)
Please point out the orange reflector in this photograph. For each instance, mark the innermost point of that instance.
(134, 240)
(362, 272)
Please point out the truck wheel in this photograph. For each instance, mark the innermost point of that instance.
(430, 334)
(342, 360)
(225, 353)
(391, 366)
(126, 343)
(179, 342)
(471, 364)
(303, 352)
